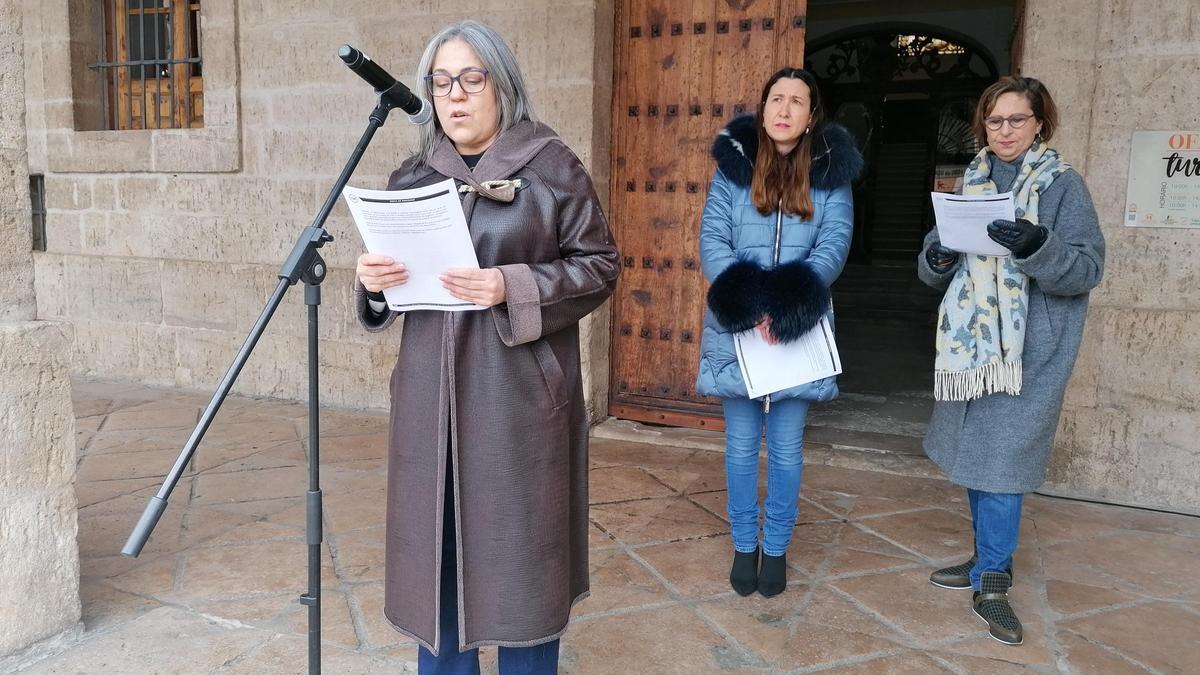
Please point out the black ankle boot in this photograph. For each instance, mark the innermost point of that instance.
(744, 574)
(772, 578)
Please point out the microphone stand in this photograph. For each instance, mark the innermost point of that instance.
(303, 263)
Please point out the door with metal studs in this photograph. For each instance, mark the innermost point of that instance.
(683, 69)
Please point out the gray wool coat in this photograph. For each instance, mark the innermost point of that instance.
(501, 389)
(1002, 443)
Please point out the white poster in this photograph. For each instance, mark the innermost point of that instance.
(1164, 179)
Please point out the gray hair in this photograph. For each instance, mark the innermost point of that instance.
(503, 73)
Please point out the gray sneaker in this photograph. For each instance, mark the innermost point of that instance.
(990, 603)
(957, 577)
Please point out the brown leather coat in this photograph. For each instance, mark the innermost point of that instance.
(502, 389)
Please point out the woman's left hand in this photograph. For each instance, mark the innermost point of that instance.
(483, 287)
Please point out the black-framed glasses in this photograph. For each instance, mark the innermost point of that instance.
(472, 81)
(1017, 121)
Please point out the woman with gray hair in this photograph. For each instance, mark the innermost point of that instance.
(487, 530)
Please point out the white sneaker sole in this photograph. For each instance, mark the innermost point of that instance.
(953, 588)
(1018, 643)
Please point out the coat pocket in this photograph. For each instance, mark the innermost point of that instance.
(552, 373)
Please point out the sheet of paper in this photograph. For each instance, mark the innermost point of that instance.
(962, 221)
(768, 368)
(425, 229)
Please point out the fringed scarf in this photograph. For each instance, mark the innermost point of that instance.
(981, 321)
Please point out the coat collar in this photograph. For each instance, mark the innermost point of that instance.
(836, 159)
(510, 153)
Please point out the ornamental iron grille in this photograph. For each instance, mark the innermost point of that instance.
(897, 57)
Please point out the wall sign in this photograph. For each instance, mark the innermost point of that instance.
(1164, 179)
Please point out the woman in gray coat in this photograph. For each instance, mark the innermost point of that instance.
(486, 538)
(1009, 329)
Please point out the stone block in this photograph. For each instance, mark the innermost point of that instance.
(1168, 476)
(196, 150)
(98, 151)
(1149, 359)
(142, 352)
(571, 40)
(218, 195)
(16, 275)
(1081, 388)
(569, 110)
(399, 51)
(1046, 24)
(265, 14)
(223, 297)
(1092, 452)
(1160, 260)
(39, 590)
(50, 286)
(114, 289)
(309, 50)
(1127, 28)
(104, 192)
(62, 231)
(316, 151)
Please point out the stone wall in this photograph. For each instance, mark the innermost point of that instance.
(164, 245)
(1130, 422)
(39, 562)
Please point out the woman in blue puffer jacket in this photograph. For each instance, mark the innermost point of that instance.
(774, 235)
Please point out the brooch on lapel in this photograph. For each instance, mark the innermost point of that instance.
(498, 190)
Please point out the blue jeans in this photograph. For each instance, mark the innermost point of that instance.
(996, 519)
(785, 462)
(537, 660)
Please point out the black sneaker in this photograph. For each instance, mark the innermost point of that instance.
(957, 577)
(990, 603)
(743, 576)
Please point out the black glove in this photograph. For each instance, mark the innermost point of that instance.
(940, 258)
(1022, 237)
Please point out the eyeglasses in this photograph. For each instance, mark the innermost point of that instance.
(472, 81)
(1015, 121)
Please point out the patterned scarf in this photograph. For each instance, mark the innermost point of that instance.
(981, 321)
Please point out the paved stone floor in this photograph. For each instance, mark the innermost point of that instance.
(1100, 589)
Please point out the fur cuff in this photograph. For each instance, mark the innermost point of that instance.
(795, 300)
(736, 296)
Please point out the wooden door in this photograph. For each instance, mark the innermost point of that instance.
(683, 69)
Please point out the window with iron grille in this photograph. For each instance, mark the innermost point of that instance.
(151, 65)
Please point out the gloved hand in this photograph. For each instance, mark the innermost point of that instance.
(1022, 237)
(940, 258)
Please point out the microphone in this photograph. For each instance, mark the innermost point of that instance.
(419, 111)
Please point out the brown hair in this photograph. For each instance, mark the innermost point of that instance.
(1034, 91)
(784, 178)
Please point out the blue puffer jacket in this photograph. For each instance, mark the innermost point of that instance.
(737, 248)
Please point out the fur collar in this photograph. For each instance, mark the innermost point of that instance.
(836, 159)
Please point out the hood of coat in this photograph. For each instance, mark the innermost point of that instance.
(836, 159)
(514, 148)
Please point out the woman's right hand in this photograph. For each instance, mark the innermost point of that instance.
(764, 330)
(377, 272)
(940, 258)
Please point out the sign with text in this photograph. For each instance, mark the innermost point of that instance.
(1164, 179)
